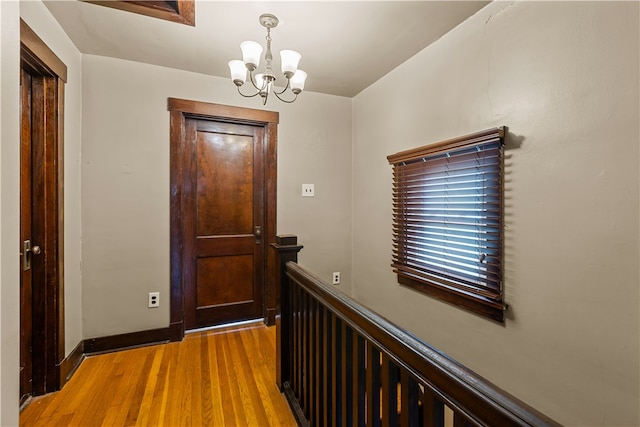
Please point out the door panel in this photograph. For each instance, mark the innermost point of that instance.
(225, 184)
(214, 272)
(226, 210)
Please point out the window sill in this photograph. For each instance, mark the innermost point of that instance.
(474, 303)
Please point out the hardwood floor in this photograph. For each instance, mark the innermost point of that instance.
(220, 377)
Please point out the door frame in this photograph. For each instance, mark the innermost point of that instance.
(182, 110)
(48, 351)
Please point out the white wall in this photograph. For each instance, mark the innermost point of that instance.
(9, 211)
(125, 185)
(38, 17)
(564, 78)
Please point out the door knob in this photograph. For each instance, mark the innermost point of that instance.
(36, 250)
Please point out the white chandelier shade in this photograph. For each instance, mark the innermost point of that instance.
(251, 52)
(289, 60)
(297, 81)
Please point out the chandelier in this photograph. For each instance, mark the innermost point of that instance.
(263, 83)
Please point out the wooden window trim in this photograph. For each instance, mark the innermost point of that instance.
(488, 304)
(181, 11)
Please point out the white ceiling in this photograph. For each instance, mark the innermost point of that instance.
(345, 45)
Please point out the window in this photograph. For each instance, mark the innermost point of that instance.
(182, 11)
(448, 221)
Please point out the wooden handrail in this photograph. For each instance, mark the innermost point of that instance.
(331, 337)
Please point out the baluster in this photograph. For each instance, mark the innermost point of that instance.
(336, 378)
(300, 363)
(373, 385)
(295, 295)
(433, 410)
(305, 354)
(327, 367)
(359, 380)
(408, 400)
(389, 385)
(312, 355)
(291, 345)
(347, 376)
(317, 354)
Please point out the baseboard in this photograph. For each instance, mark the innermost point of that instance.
(126, 341)
(68, 366)
(108, 344)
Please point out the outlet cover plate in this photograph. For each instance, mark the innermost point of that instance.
(336, 278)
(308, 190)
(154, 299)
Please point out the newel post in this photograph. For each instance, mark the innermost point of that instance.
(286, 248)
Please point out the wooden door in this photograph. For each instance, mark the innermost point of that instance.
(26, 305)
(225, 223)
(41, 245)
(229, 266)
(38, 237)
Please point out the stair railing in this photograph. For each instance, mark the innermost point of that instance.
(341, 364)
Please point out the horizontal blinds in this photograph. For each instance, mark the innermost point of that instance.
(447, 210)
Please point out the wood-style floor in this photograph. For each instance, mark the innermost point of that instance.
(215, 378)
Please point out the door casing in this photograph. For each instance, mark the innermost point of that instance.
(180, 111)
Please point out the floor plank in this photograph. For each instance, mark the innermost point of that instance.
(223, 377)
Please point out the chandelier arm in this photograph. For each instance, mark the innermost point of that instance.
(247, 96)
(283, 90)
(284, 100)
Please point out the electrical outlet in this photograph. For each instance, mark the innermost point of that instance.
(336, 278)
(308, 190)
(154, 299)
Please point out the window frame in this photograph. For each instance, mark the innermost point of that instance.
(180, 11)
(485, 298)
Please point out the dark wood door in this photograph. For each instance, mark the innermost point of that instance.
(26, 361)
(42, 343)
(224, 223)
